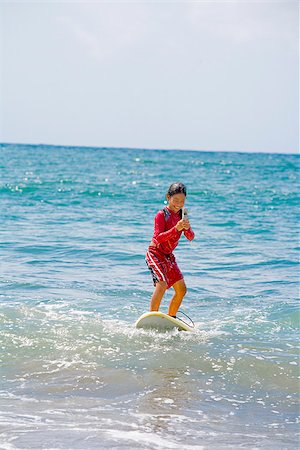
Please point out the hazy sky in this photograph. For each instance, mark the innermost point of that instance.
(207, 75)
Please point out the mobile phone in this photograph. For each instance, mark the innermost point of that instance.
(184, 214)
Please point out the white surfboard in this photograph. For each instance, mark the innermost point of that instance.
(160, 321)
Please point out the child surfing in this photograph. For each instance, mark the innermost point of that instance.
(169, 224)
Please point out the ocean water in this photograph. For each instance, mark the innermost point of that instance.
(75, 373)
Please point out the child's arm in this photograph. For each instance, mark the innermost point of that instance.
(188, 232)
(160, 235)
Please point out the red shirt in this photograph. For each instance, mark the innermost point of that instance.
(166, 236)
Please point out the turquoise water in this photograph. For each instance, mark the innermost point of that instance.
(75, 373)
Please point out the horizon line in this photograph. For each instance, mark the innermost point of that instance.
(267, 152)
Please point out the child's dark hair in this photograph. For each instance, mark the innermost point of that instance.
(176, 188)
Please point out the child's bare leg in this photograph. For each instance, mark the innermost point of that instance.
(160, 289)
(180, 291)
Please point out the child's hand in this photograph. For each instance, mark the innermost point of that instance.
(183, 224)
(186, 224)
(180, 225)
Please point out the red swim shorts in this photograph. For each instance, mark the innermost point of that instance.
(163, 267)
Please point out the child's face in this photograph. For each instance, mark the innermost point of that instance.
(176, 202)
